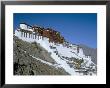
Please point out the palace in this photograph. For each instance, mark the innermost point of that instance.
(35, 32)
(40, 32)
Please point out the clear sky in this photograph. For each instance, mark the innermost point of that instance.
(77, 28)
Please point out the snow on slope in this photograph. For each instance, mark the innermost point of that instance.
(61, 53)
(44, 43)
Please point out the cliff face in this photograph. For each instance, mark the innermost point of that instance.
(32, 59)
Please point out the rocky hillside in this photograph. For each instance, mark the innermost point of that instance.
(32, 59)
(90, 52)
(46, 52)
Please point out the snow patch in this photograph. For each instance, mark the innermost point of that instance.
(61, 50)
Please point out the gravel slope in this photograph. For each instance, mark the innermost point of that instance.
(24, 64)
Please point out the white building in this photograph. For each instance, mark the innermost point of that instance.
(78, 50)
(25, 27)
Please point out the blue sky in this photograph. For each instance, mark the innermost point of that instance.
(77, 28)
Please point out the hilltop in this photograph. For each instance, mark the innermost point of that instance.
(40, 51)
